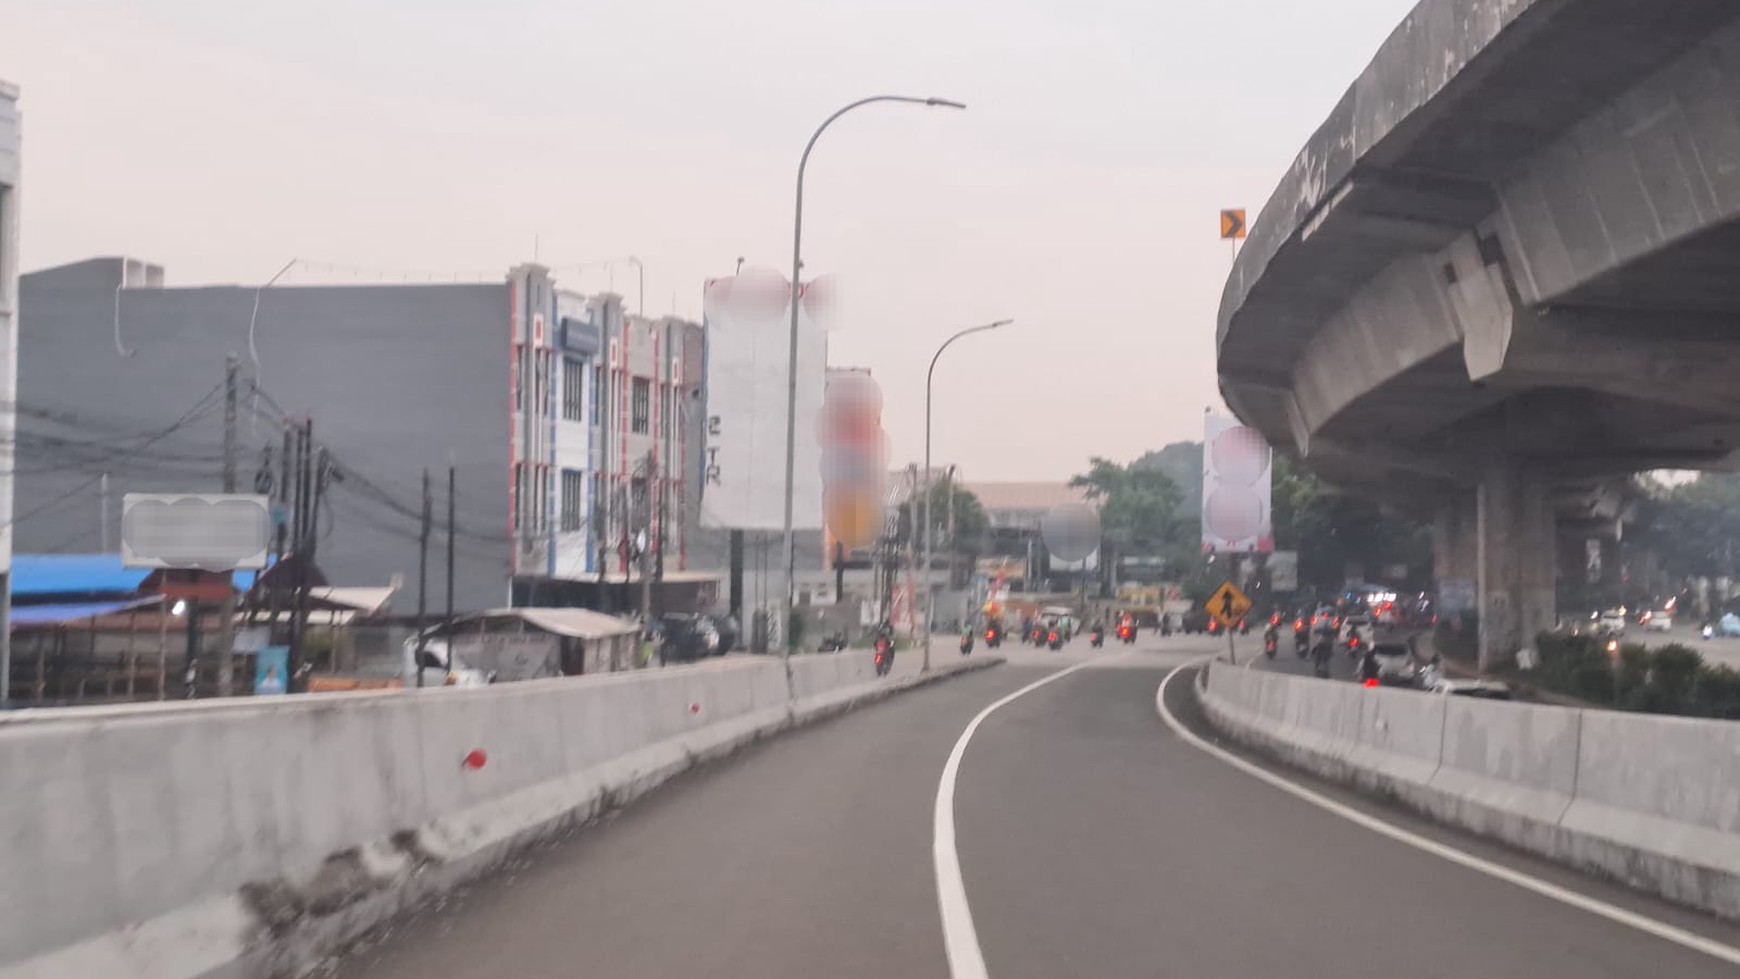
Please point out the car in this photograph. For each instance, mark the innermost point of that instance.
(1609, 623)
(1657, 621)
(688, 637)
(1395, 664)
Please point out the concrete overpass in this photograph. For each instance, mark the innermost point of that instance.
(1506, 267)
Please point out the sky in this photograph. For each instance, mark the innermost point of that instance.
(388, 139)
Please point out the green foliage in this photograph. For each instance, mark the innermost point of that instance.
(1138, 507)
(971, 523)
(1693, 527)
(1671, 679)
(1332, 530)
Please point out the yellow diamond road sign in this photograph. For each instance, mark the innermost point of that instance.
(1229, 605)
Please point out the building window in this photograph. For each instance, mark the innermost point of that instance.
(572, 492)
(641, 404)
(573, 389)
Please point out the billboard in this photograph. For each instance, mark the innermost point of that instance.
(211, 531)
(1236, 471)
(748, 325)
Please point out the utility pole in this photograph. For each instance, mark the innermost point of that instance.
(452, 521)
(652, 475)
(306, 506)
(227, 611)
(423, 573)
(284, 487)
(103, 491)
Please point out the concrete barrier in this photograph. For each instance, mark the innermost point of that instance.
(250, 837)
(1653, 802)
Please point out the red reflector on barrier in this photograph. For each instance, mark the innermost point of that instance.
(1373, 683)
(475, 760)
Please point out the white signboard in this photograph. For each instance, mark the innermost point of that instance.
(213, 531)
(1236, 472)
(748, 322)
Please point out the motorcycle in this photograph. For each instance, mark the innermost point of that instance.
(1127, 634)
(1271, 642)
(833, 644)
(1301, 638)
(1055, 640)
(884, 655)
(1244, 627)
(993, 637)
(1320, 656)
(967, 644)
(1097, 638)
(1353, 645)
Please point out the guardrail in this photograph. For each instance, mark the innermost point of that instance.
(251, 836)
(1653, 802)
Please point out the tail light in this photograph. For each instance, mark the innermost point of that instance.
(1353, 642)
(1298, 625)
(1052, 637)
(1373, 683)
(990, 634)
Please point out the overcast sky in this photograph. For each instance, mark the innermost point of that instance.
(1078, 194)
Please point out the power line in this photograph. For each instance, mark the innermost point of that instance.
(201, 406)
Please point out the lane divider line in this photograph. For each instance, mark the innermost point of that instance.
(1631, 919)
(960, 939)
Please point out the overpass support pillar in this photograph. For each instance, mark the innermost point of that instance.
(1517, 561)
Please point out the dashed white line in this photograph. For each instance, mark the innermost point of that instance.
(960, 939)
(1614, 913)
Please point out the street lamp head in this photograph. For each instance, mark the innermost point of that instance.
(1001, 323)
(945, 103)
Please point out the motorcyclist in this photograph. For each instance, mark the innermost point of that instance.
(1323, 650)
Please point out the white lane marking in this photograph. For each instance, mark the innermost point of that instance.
(1643, 923)
(960, 939)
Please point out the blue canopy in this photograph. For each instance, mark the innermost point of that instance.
(83, 574)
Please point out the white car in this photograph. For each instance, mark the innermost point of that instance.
(1662, 621)
(1610, 622)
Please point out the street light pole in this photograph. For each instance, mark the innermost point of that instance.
(929, 533)
(788, 555)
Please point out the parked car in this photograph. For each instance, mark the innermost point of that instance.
(689, 637)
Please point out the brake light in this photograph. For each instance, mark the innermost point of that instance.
(990, 634)
(1373, 683)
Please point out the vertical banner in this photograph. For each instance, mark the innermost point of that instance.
(748, 327)
(1236, 473)
(271, 671)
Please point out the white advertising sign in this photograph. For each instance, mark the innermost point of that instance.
(1236, 473)
(748, 322)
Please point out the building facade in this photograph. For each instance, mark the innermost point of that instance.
(549, 405)
(10, 154)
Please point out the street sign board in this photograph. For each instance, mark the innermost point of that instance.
(1232, 223)
(208, 531)
(1229, 605)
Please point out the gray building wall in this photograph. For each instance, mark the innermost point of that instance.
(395, 377)
(10, 147)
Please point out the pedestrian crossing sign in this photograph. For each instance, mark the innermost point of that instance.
(1229, 605)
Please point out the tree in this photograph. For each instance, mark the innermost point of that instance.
(1138, 507)
(972, 527)
(1332, 530)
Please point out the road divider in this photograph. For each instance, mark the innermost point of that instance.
(1648, 801)
(254, 837)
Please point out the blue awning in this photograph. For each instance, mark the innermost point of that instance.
(84, 574)
(32, 615)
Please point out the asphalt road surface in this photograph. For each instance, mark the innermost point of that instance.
(1092, 841)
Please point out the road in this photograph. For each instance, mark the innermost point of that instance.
(1091, 840)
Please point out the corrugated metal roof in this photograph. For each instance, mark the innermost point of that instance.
(578, 622)
(30, 615)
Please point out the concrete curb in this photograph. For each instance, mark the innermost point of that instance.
(1688, 865)
(286, 928)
